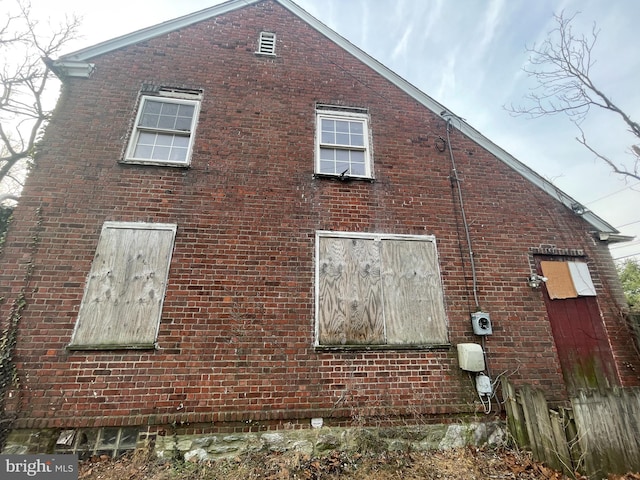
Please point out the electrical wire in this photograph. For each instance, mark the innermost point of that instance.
(613, 193)
(464, 217)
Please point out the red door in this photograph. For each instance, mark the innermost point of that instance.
(578, 330)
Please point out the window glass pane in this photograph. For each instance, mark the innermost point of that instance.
(170, 109)
(357, 169)
(342, 126)
(327, 167)
(327, 154)
(328, 137)
(342, 167)
(151, 106)
(328, 125)
(342, 155)
(164, 140)
(186, 111)
(149, 120)
(183, 123)
(182, 142)
(357, 157)
(357, 140)
(146, 138)
(167, 123)
(109, 437)
(128, 437)
(178, 154)
(161, 153)
(356, 128)
(143, 151)
(167, 116)
(342, 139)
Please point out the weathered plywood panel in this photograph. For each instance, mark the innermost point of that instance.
(413, 302)
(125, 289)
(349, 292)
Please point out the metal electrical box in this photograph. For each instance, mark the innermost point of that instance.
(471, 357)
(481, 323)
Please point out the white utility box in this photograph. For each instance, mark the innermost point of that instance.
(471, 357)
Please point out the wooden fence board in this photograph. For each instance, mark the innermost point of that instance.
(560, 444)
(599, 435)
(608, 430)
(515, 415)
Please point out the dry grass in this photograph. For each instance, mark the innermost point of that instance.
(467, 463)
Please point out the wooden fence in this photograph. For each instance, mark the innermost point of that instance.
(599, 434)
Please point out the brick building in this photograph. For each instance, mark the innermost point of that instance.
(238, 218)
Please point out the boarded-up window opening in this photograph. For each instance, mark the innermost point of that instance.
(125, 290)
(567, 279)
(378, 290)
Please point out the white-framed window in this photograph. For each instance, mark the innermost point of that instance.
(342, 144)
(125, 289)
(164, 129)
(378, 290)
(267, 43)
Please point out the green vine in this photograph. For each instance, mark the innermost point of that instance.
(9, 378)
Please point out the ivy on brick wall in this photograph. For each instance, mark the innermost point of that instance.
(5, 217)
(8, 372)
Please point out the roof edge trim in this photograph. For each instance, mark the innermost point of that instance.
(64, 69)
(156, 30)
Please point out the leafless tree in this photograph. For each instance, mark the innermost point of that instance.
(25, 84)
(561, 66)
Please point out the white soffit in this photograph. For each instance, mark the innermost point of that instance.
(150, 32)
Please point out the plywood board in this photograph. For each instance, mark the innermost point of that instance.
(125, 289)
(350, 305)
(413, 303)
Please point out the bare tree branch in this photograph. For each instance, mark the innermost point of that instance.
(617, 168)
(24, 81)
(561, 66)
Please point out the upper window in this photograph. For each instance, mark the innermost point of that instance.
(164, 130)
(382, 290)
(267, 43)
(342, 144)
(123, 297)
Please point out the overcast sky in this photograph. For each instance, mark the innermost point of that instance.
(467, 55)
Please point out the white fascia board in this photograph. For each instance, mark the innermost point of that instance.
(156, 30)
(394, 78)
(70, 68)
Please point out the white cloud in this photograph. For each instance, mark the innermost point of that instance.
(400, 50)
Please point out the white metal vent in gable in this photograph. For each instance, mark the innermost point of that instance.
(267, 43)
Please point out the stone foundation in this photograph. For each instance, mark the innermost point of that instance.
(311, 441)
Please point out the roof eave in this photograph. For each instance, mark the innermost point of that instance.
(67, 68)
(172, 25)
(155, 30)
(614, 237)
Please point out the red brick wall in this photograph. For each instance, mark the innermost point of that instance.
(237, 330)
